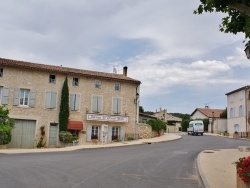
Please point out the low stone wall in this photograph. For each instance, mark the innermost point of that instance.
(145, 130)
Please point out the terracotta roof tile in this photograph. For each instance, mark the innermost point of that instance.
(209, 112)
(65, 70)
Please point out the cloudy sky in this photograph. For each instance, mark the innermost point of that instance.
(182, 59)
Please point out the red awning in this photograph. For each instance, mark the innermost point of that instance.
(75, 125)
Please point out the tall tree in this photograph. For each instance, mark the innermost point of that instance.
(238, 15)
(6, 125)
(64, 107)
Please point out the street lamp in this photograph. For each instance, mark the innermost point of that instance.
(247, 51)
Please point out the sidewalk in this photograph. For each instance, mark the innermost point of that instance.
(216, 169)
(163, 138)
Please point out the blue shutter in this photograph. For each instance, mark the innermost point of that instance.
(119, 105)
(94, 104)
(122, 133)
(89, 131)
(109, 134)
(114, 105)
(99, 104)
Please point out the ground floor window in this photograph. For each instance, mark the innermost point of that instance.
(115, 133)
(95, 132)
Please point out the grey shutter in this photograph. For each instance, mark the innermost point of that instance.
(53, 99)
(94, 104)
(99, 104)
(5, 95)
(109, 134)
(48, 99)
(16, 97)
(122, 133)
(119, 106)
(77, 101)
(89, 131)
(114, 105)
(32, 99)
(72, 101)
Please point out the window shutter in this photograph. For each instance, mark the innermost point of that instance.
(32, 99)
(94, 104)
(109, 134)
(16, 97)
(89, 131)
(119, 106)
(114, 105)
(99, 104)
(72, 101)
(77, 101)
(122, 133)
(48, 99)
(53, 99)
(5, 95)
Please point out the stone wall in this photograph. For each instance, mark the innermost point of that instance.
(145, 130)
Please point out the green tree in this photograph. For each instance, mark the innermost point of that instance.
(64, 107)
(157, 125)
(237, 17)
(184, 125)
(223, 115)
(141, 110)
(6, 125)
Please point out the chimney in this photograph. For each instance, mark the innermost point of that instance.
(125, 70)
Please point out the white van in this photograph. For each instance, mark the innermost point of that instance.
(196, 127)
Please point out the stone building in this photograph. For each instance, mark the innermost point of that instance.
(104, 106)
(238, 113)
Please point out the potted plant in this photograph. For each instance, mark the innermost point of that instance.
(243, 172)
(236, 135)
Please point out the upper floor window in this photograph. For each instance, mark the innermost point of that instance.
(74, 100)
(96, 104)
(117, 107)
(241, 110)
(1, 72)
(97, 84)
(241, 95)
(24, 97)
(231, 112)
(231, 98)
(50, 102)
(75, 82)
(52, 78)
(117, 86)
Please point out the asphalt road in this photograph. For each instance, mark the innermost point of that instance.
(170, 164)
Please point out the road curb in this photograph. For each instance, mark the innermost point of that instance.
(200, 172)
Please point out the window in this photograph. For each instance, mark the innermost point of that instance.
(231, 112)
(97, 84)
(96, 104)
(75, 82)
(115, 133)
(116, 105)
(241, 94)
(24, 97)
(94, 133)
(117, 86)
(50, 102)
(74, 100)
(1, 72)
(52, 79)
(231, 98)
(241, 110)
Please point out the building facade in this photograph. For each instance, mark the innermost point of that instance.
(238, 105)
(103, 106)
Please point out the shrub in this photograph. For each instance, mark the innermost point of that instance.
(243, 168)
(5, 134)
(66, 137)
